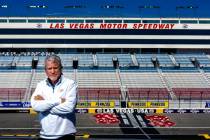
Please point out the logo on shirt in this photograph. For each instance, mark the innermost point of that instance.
(61, 90)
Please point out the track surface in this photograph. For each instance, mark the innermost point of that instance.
(186, 124)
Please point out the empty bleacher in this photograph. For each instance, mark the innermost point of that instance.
(13, 85)
(164, 60)
(147, 94)
(5, 61)
(14, 79)
(184, 60)
(66, 59)
(187, 80)
(192, 93)
(188, 85)
(98, 86)
(124, 60)
(85, 60)
(145, 82)
(12, 94)
(144, 86)
(141, 80)
(24, 61)
(144, 60)
(105, 60)
(97, 80)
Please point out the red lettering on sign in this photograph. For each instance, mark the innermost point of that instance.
(113, 26)
(81, 26)
(57, 26)
(153, 26)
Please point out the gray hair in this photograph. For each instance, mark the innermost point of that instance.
(55, 59)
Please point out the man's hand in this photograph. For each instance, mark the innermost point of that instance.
(38, 98)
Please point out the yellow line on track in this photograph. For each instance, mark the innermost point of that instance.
(206, 136)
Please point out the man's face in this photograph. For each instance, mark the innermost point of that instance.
(53, 71)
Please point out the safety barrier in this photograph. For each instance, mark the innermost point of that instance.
(114, 110)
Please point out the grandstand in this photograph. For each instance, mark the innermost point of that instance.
(120, 78)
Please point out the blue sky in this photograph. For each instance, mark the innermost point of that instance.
(107, 8)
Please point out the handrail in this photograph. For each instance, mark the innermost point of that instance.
(103, 20)
(28, 90)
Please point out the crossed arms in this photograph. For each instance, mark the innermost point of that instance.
(40, 98)
(54, 105)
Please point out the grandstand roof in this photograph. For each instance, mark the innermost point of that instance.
(106, 8)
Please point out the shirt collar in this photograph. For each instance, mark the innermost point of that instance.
(49, 82)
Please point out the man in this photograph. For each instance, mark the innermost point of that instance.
(55, 100)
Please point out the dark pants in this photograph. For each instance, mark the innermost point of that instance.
(66, 137)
